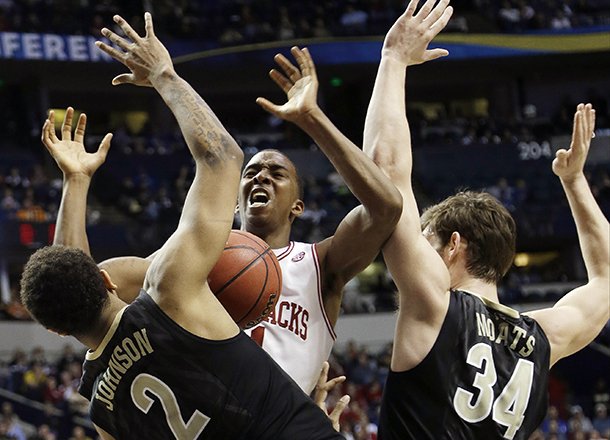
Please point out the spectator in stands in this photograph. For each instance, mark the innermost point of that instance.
(285, 29)
(34, 382)
(68, 356)
(353, 20)
(18, 365)
(579, 421)
(553, 424)
(601, 421)
(361, 370)
(601, 394)
(51, 393)
(44, 432)
(15, 180)
(30, 211)
(78, 433)
(561, 21)
(15, 427)
(320, 29)
(509, 17)
(9, 204)
(69, 387)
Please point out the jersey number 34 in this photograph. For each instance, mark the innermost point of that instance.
(509, 407)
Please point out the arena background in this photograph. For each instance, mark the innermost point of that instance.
(489, 116)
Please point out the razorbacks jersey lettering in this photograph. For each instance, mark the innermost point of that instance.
(151, 379)
(485, 377)
(298, 334)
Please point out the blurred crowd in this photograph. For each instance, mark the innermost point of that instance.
(233, 22)
(51, 388)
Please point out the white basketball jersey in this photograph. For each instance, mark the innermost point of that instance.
(298, 334)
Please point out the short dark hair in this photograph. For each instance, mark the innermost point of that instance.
(487, 226)
(63, 289)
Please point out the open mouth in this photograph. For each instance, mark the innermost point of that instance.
(258, 198)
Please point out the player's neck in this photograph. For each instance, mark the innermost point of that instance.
(478, 287)
(277, 238)
(95, 337)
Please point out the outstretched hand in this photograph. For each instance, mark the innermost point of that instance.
(322, 388)
(70, 154)
(300, 85)
(569, 164)
(408, 39)
(146, 56)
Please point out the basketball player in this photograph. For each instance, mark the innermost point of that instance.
(463, 365)
(299, 334)
(173, 364)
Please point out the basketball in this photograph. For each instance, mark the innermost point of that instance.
(246, 279)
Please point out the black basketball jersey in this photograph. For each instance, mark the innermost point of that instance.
(151, 379)
(485, 378)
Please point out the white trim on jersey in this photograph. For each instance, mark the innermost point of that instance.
(320, 297)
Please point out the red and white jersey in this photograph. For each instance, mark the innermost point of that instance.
(298, 334)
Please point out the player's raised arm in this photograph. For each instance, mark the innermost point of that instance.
(78, 168)
(360, 235)
(177, 277)
(420, 275)
(580, 315)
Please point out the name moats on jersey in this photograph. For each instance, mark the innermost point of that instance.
(512, 336)
(297, 334)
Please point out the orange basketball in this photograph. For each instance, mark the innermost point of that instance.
(246, 279)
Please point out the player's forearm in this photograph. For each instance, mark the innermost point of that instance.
(71, 224)
(204, 134)
(387, 138)
(593, 228)
(364, 179)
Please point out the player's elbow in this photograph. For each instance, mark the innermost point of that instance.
(387, 209)
(393, 206)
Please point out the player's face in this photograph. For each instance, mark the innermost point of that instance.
(268, 190)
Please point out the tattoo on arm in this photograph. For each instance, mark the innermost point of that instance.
(201, 128)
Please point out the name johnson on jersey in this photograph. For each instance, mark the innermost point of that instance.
(124, 356)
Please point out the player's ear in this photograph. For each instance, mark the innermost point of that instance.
(237, 209)
(108, 281)
(297, 209)
(453, 246)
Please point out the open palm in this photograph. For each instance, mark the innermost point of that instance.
(70, 155)
(301, 98)
(300, 85)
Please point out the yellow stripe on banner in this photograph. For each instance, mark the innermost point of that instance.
(598, 41)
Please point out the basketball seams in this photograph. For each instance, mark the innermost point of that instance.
(245, 291)
(243, 269)
(261, 292)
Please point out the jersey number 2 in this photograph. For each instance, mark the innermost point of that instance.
(182, 431)
(509, 408)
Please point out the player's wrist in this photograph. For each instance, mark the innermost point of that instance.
(390, 56)
(571, 180)
(78, 177)
(163, 74)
